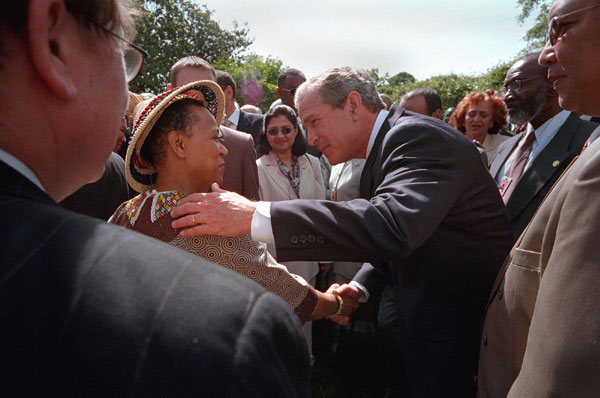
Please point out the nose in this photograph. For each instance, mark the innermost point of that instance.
(547, 56)
(508, 96)
(222, 150)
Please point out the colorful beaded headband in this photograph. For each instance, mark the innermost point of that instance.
(140, 174)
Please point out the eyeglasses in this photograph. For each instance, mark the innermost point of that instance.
(133, 55)
(555, 26)
(292, 91)
(516, 85)
(274, 131)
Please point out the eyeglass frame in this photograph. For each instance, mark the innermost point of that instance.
(519, 82)
(130, 45)
(277, 130)
(292, 91)
(555, 22)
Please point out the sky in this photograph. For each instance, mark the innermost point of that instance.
(422, 37)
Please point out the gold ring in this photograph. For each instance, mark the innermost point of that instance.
(193, 219)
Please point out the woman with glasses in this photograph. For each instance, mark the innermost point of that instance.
(286, 171)
(482, 117)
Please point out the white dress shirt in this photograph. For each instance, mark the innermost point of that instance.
(21, 168)
(234, 118)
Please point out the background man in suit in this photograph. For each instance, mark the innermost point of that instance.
(89, 309)
(430, 220)
(541, 329)
(527, 165)
(423, 100)
(241, 174)
(237, 119)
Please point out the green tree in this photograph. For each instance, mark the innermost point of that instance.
(255, 76)
(171, 29)
(535, 36)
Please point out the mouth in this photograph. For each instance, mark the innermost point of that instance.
(555, 80)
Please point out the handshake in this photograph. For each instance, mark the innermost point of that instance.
(338, 303)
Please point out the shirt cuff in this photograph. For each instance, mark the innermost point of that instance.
(261, 229)
(364, 298)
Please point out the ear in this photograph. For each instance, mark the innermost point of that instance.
(176, 143)
(51, 35)
(354, 105)
(277, 92)
(437, 114)
(228, 92)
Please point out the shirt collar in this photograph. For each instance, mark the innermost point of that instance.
(383, 114)
(21, 168)
(235, 116)
(550, 125)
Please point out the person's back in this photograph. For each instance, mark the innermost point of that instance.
(90, 309)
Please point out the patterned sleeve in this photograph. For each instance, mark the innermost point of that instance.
(251, 259)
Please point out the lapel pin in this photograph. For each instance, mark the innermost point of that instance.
(555, 163)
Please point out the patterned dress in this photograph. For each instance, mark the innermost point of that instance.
(149, 213)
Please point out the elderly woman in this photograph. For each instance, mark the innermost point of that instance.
(482, 117)
(176, 149)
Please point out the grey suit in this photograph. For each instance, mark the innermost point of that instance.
(544, 170)
(241, 174)
(432, 223)
(89, 309)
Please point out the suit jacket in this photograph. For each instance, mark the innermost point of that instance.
(432, 222)
(544, 170)
(250, 123)
(542, 322)
(92, 309)
(240, 175)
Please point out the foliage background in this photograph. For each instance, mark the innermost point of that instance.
(171, 29)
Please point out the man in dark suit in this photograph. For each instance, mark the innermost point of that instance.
(89, 309)
(430, 221)
(553, 138)
(237, 119)
(241, 173)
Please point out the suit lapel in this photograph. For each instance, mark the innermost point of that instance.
(504, 153)
(367, 178)
(544, 166)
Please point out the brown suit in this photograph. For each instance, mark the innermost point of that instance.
(542, 324)
(241, 175)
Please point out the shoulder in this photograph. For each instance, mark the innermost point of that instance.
(252, 117)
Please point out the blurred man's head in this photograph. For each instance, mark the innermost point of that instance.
(424, 100)
(386, 100)
(528, 93)
(190, 69)
(227, 84)
(68, 57)
(287, 83)
(572, 54)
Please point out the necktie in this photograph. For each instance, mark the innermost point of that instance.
(518, 165)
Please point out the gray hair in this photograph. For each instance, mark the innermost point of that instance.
(335, 84)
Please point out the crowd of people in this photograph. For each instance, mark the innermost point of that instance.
(177, 243)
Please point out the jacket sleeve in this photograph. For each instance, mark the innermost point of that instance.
(418, 183)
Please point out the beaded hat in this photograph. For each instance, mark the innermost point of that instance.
(141, 175)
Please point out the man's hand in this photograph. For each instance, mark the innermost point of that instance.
(350, 294)
(220, 212)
